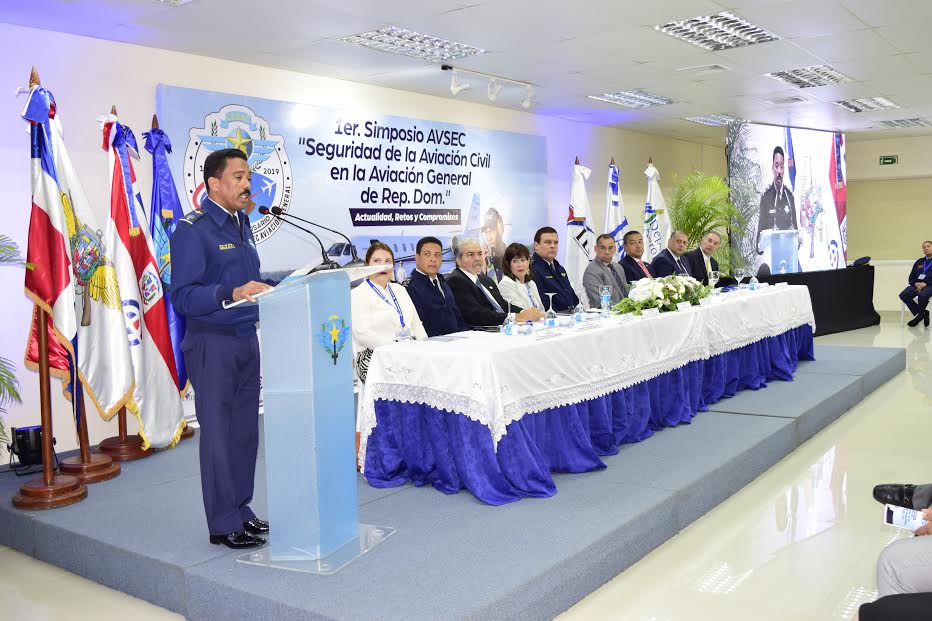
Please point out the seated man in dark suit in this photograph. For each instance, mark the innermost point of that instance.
(919, 288)
(635, 267)
(671, 260)
(431, 295)
(549, 275)
(700, 260)
(476, 294)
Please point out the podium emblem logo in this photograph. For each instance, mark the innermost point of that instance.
(333, 334)
(238, 127)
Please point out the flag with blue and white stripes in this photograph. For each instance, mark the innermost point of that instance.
(615, 220)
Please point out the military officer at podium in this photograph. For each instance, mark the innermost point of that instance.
(777, 208)
(214, 261)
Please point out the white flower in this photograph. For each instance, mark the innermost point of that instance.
(658, 290)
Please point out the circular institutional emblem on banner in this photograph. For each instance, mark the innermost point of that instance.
(238, 127)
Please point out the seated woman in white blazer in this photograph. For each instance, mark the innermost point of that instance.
(382, 310)
(517, 286)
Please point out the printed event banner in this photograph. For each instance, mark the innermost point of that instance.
(369, 176)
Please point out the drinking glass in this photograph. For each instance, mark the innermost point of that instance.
(550, 319)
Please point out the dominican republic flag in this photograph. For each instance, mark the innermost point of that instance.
(615, 220)
(156, 400)
(836, 177)
(789, 173)
(164, 213)
(74, 278)
(657, 228)
(580, 238)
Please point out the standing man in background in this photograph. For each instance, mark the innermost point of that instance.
(214, 260)
(919, 278)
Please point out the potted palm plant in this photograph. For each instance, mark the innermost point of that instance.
(9, 385)
(701, 203)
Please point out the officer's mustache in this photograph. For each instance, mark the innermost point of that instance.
(246, 193)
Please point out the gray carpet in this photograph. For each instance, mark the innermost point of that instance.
(452, 557)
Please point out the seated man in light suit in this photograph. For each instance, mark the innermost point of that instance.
(634, 265)
(700, 260)
(602, 271)
(549, 275)
(430, 293)
(476, 294)
(671, 260)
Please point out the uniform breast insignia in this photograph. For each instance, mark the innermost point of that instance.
(226, 246)
(193, 216)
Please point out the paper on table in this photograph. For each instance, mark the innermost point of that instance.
(902, 517)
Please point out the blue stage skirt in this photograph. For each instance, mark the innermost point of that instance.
(424, 445)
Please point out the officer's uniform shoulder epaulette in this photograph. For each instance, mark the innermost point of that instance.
(193, 216)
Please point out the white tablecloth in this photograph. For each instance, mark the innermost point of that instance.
(497, 379)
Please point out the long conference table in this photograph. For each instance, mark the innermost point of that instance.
(497, 414)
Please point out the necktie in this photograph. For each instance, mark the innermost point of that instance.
(621, 285)
(680, 265)
(708, 265)
(489, 297)
(644, 269)
(437, 286)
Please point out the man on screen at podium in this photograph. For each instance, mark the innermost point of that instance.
(214, 260)
(778, 213)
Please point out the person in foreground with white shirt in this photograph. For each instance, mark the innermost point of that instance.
(517, 285)
(382, 310)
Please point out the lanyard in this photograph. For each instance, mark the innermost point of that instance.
(527, 286)
(401, 316)
(926, 264)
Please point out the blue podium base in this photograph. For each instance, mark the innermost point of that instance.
(369, 537)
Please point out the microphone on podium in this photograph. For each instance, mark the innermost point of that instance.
(327, 263)
(277, 211)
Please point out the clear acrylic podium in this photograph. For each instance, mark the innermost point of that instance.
(309, 428)
(780, 250)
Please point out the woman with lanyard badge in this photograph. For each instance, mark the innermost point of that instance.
(517, 285)
(382, 310)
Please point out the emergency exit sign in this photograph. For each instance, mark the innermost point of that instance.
(888, 160)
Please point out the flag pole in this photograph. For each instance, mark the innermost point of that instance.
(50, 491)
(90, 467)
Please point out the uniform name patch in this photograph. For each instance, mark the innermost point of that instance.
(226, 246)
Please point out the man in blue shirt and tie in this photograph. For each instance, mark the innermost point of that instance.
(549, 275)
(430, 293)
(919, 278)
(671, 260)
(214, 260)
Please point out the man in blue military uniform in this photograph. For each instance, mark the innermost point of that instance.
(430, 293)
(919, 278)
(214, 260)
(549, 275)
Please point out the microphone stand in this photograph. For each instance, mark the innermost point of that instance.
(277, 211)
(327, 263)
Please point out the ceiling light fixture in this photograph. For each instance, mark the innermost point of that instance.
(633, 99)
(865, 104)
(807, 77)
(174, 2)
(495, 87)
(906, 123)
(457, 87)
(497, 84)
(396, 40)
(722, 31)
(712, 120)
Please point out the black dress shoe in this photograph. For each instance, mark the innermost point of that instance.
(897, 494)
(255, 526)
(912, 323)
(238, 540)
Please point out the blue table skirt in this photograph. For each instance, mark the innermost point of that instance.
(425, 445)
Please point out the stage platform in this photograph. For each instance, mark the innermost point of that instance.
(452, 557)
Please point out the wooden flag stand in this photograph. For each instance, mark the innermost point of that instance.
(91, 467)
(51, 490)
(123, 447)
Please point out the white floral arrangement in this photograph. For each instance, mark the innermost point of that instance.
(661, 293)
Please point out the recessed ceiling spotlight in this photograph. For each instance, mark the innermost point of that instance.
(722, 31)
(866, 103)
(905, 123)
(712, 120)
(396, 40)
(807, 77)
(633, 99)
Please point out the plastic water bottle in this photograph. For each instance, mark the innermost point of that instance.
(508, 327)
(526, 328)
(605, 299)
(753, 284)
(579, 315)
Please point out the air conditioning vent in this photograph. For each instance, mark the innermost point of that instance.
(792, 100)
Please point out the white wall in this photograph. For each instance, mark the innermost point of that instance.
(87, 76)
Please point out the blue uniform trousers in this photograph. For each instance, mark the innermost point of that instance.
(910, 292)
(224, 370)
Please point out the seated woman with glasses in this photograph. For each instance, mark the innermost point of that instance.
(517, 285)
(382, 310)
